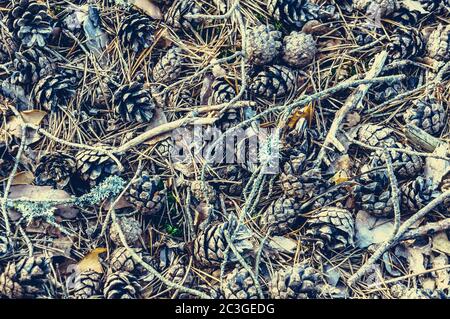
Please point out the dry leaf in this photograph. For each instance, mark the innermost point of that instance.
(340, 177)
(415, 260)
(149, 8)
(371, 230)
(441, 243)
(436, 168)
(13, 126)
(121, 203)
(92, 261)
(413, 5)
(304, 113)
(442, 276)
(352, 119)
(283, 244)
(23, 178)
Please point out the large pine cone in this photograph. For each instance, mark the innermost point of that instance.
(136, 32)
(296, 13)
(169, 67)
(54, 91)
(438, 45)
(299, 49)
(147, 194)
(134, 103)
(374, 135)
(238, 284)
(406, 44)
(87, 284)
(211, 243)
(130, 227)
(25, 278)
(282, 216)
(263, 44)
(274, 82)
(93, 167)
(374, 196)
(428, 114)
(333, 226)
(29, 22)
(121, 285)
(177, 15)
(417, 193)
(55, 169)
(298, 282)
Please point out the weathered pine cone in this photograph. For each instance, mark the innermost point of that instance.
(29, 22)
(438, 45)
(178, 273)
(428, 114)
(87, 284)
(54, 91)
(134, 103)
(374, 135)
(295, 13)
(210, 245)
(238, 284)
(299, 49)
(373, 195)
(406, 44)
(121, 285)
(55, 169)
(136, 32)
(282, 216)
(234, 179)
(223, 90)
(93, 166)
(297, 282)
(147, 194)
(332, 226)
(130, 227)
(417, 193)
(121, 260)
(264, 44)
(24, 278)
(177, 15)
(274, 82)
(5, 246)
(169, 67)
(383, 7)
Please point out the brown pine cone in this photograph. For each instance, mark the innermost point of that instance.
(374, 135)
(282, 216)
(417, 193)
(299, 49)
(93, 167)
(121, 260)
(87, 285)
(131, 229)
(238, 284)
(55, 169)
(147, 194)
(169, 67)
(121, 285)
(263, 44)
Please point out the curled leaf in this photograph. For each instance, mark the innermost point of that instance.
(92, 261)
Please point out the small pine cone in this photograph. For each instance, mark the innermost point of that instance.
(54, 91)
(131, 229)
(299, 49)
(87, 285)
(417, 193)
(238, 284)
(178, 274)
(223, 91)
(274, 82)
(147, 194)
(438, 45)
(177, 15)
(303, 186)
(121, 285)
(264, 44)
(406, 44)
(210, 245)
(298, 282)
(5, 246)
(386, 91)
(121, 260)
(374, 196)
(93, 167)
(205, 195)
(55, 169)
(381, 7)
(427, 114)
(134, 103)
(30, 66)
(374, 135)
(136, 32)
(235, 178)
(29, 22)
(293, 13)
(25, 278)
(405, 165)
(169, 67)
(333, 226)
(282, 216)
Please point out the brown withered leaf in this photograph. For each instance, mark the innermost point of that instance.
(23, 178)
(149, 8)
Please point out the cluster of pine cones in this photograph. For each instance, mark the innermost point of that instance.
(106, 71)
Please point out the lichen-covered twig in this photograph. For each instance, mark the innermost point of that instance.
(394, 191)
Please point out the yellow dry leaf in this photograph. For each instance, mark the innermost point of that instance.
(23, 178)
(32, 116)
(340, 177)
(149, 8)
(304, 113)
(91, 261)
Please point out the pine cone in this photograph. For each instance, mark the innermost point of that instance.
(210, 244)
(223, 91)
(178, 274)
(87, 284)
(374, 196)
(427, 114)
(177, 15)
(55, 169)
(25, 278)
(274, 82)
(131, 229)
(147, 194)
(263, 44)
(295, 13)
(121, 285)
(438, 45)
(5, 246)
(136, 32)
(169, 67)
(29, 22)
(134, 103)
(303, 186)
(238, 284)
(54, 91)
(381, 7)
(386, 91)
(205, 195)
(406, 16)
(234, 179)
(282, 216)
(374, 135)
(333, 226)
(93, 167)
(298, 282)
(299, 49)
(7, 49)
(121, 260)
(417, 193)
(406, 44)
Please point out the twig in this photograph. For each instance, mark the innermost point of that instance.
(394, 190)
(212, 17)
(427, 230)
